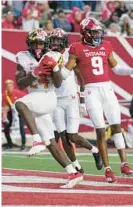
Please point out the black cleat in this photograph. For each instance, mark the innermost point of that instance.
(81, 171)
(98, 160)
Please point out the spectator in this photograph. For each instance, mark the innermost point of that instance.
(10, 95)
(70, 17)
(113, 19)
(8, 22)
(129, 16)
(114, 29)
(76, 22)
(28, 22)
(108, 9)
(61, 22)
(17, 7)
(86, 11)
(121, 9)
(125, 25)
(48, 26)
(43, 9)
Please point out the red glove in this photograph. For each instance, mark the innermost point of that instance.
(47, 62)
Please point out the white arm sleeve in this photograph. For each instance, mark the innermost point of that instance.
(122, 70)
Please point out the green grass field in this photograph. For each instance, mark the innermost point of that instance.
(46, 162)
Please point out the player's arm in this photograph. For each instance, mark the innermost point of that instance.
(66, 70)
(57, 78)
(23, 80)
(117, 68)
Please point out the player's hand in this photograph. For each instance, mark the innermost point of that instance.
(47, 63)
(5, 120)
(83, 110)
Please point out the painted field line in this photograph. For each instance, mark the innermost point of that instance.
(77, 153)
(12, 169)
(39, 179)
(51, 158)
(8, 188)
(67, 206)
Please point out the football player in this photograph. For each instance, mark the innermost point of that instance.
(94, 58)
(66, 117)
(41, 101)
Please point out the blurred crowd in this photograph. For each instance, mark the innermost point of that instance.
(116, 16)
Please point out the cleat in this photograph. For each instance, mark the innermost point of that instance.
(109, 175)
(98, 160)
(81, 171)
(126, 170)
(73, 179)
(36, 148)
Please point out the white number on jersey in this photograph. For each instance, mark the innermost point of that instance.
(97, 63)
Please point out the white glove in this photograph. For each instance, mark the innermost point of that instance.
(83, 111)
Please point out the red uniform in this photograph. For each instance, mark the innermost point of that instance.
(8, 99)
(92, 61)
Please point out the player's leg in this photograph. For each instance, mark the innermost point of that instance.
(93, 101)
(28, 105)
(59, 119)
(45, 129)
(112, 112)
(73, 120)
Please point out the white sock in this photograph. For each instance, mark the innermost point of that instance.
(108, 167)
(94, 149)
(123, 163)
(36, 138)
(70, 169)
(76, 164)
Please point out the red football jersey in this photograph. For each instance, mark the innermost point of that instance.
(92, 62)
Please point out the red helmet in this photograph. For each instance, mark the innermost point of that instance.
(58, 40)
(92, 31)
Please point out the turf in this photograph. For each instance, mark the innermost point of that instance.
(47, 163)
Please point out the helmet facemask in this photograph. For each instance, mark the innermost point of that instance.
(38, 43)
(58, 43)
(94, 37)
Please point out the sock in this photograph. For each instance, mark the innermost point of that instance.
(76, 164)
(70, 169)
(123, 163)
(36, 138)
(94, 149)
(108, 167)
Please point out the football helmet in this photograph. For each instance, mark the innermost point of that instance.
(92, 31)
(38, 42)
(58, 40)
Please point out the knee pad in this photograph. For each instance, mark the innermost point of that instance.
(118, 141)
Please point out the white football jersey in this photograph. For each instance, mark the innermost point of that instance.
(69, 86)
(29, 63)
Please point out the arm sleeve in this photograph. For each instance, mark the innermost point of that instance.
(122, 70)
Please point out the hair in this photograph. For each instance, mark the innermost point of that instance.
(9, 81)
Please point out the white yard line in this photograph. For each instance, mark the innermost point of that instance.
(50, 158)
(12, 169)
(8, 188)
(38, 179)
